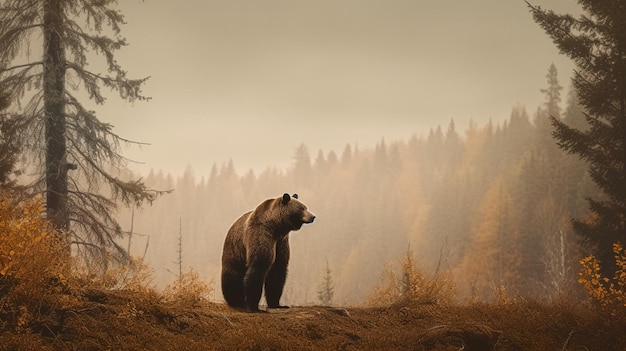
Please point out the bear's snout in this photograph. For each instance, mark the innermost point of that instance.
(309, 218)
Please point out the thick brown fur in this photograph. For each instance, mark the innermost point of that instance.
(256, 252)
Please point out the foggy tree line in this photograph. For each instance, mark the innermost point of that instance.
(490, 204)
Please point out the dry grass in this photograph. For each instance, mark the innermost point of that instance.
(188, 290)
(409, 284)
(127, 320)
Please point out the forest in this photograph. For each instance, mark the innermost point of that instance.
(498, 235)
(489, 207)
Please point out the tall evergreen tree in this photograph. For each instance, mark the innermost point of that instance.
(76, 152)
(302, 166)
(325, 291)
(553, 92)
(551, 108)
(596, 41)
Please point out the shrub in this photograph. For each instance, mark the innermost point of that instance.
(609, 293)
(34, 261)
(188, 290)
(412, 286)
(29, 247)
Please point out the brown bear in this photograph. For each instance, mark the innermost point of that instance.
(256, 252)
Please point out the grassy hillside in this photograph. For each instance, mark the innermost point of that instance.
(93, 319)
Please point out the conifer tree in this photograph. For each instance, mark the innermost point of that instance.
(544, 143)
(553, 92)
(596, 41)
(302, 166)
(76, 153)
(326, 290)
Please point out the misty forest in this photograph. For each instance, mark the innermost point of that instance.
(489, 205)
(501, 235)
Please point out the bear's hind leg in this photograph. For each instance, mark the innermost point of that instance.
(232, 289)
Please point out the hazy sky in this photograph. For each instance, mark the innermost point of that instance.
(250, 80)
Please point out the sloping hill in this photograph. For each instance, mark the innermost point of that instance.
(105, 320)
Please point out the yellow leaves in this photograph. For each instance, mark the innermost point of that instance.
(24, 235)
(608, 293)
(32, 259)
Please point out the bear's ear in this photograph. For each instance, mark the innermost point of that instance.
(295, 196)
(286, 198)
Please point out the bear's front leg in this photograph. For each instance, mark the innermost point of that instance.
(274, 284)
(275, 280)
(254, 279)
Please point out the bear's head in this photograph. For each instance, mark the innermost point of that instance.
(294, 212)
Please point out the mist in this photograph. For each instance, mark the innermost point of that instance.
(483, 205)
(251, 81)
(403, 125)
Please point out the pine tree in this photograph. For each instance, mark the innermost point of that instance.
(596, 41)
(326, 291)
(553, 92)
(75, 151)
(302, 166)
(551, 108)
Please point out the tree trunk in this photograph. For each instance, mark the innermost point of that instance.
(54, 106)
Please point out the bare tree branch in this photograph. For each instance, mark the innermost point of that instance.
(38, 63)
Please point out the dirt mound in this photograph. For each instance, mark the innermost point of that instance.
(105, 320)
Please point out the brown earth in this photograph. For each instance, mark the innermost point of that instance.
(132, 321)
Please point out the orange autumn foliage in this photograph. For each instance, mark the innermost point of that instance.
(33, 261)
(610, 293)
(28, 244)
